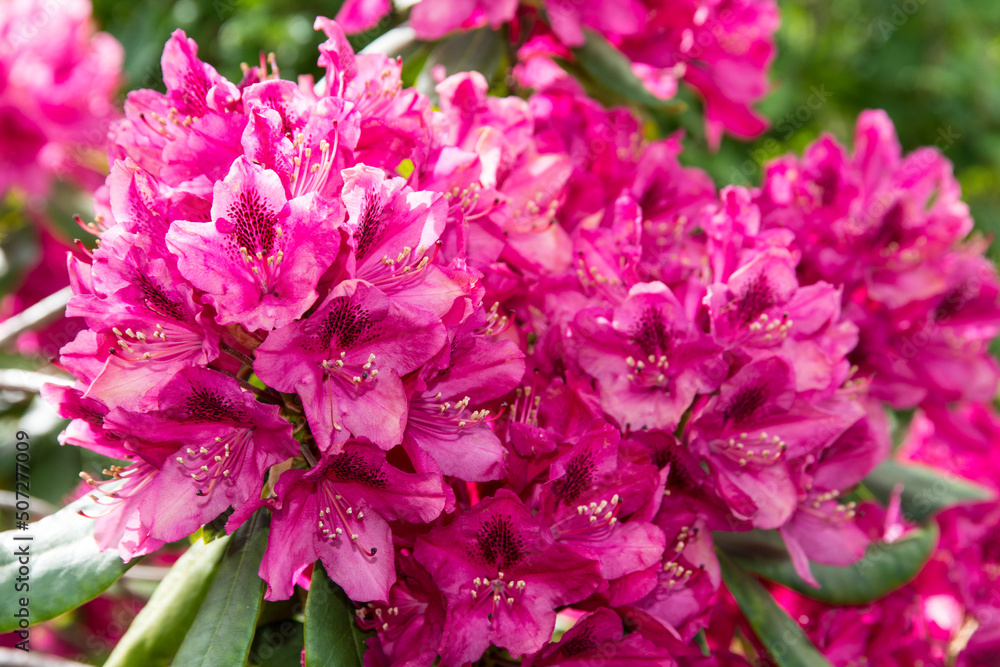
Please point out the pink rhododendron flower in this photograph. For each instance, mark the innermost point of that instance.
(501, 576)
(338, 512)
(456, 440)
(347, 361)
(147, 324)
(821, 530)
(647, 357)
(57, 80)
(239, 261)
(959, 440)
(892, 631)
(598, 634)
(721, 49)
(755, 427)
(615, 530)
(360, 15)
(212, 436)
(433, 19)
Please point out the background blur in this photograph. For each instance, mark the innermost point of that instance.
(932, 65)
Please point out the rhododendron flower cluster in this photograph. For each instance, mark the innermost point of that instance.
(949, 614)
(57, 79)
(721, 48)
(894, 233)
(489, 370)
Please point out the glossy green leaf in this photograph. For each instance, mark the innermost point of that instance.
(784, 640)
(333, 639)
(224, 628)
(65, 566)
(884, 568)
(277, 644)
(156, 633)
(613, 70)
(925, 491)
(473, 51)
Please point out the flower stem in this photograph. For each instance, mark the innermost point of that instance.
(236, 354)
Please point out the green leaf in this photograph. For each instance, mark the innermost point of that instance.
(66, 568)
(479, 50)
(215, 528)
(14, 360)
(884, 568)
(784, 640)
(18, 247)
(156, 633)
(925, 491)
(899, 425)
(613, 70)
(68, 200)
(333, 639)
(277, 644)
(224, 628)
(702, 643)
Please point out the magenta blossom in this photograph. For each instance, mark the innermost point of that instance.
(600, 505)
(762, 309)
(347, 359)
(721, 49)
(501, 577)
(395, 233)
(891, 230)
(822, 529)
(148, 322)
(338, 513)
(959, 439)
(408, 628)
(595, 637)
(432, 19)
(216, 442)
(211, 439)
(442, 433)
(649, 360)
(752, 430)
(261, 259)
(503, 365)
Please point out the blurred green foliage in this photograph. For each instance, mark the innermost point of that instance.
(228, 32)
(933, 66)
